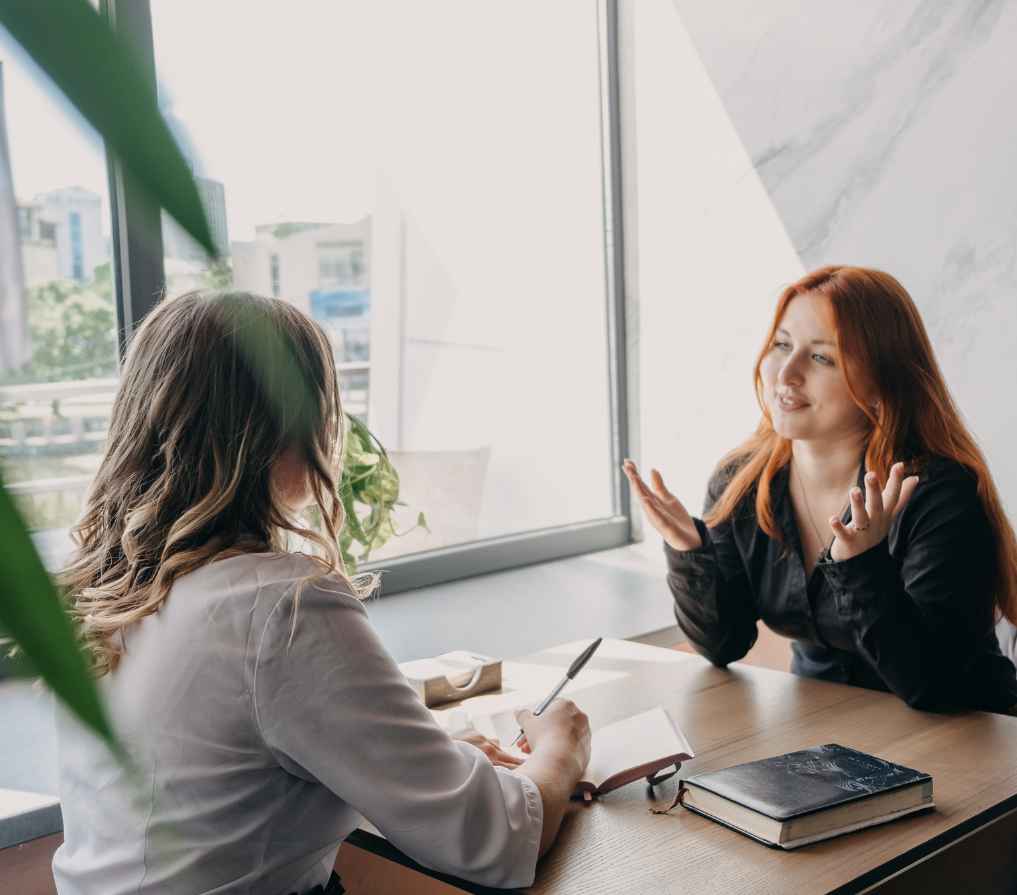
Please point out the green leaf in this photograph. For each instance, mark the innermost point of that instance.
(33, 615)
(352, 520)
(101, 76)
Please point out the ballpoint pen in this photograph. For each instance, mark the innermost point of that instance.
(574, 669)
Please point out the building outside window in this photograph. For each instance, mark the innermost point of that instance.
(58, 345)
(77, 253)
(273, 262)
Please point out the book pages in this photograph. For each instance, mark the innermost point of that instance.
(633, 742)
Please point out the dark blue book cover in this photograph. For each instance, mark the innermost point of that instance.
(798, 783)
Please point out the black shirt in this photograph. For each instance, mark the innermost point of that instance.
(913, 615)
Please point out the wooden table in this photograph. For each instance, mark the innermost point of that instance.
(967, 844)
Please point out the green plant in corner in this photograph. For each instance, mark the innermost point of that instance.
(368, 479)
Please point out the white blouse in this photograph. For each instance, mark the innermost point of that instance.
(260, 738)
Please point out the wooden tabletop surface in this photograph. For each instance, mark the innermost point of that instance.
(741, 714)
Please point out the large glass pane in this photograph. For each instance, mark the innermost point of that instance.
(424, 179)
(58, 348)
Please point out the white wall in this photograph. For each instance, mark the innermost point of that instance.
(884, 135)
(707, 256)
(770, 139)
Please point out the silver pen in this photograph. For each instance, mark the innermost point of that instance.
(574, 669)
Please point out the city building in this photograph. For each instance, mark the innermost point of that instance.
(176, 244)
(39, 256)
(321, 268)
(76, 218)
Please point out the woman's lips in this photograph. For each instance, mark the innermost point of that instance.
(789, 403)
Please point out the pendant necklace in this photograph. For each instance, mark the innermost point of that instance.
(808, 512)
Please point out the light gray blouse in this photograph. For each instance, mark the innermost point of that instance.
(260, 738)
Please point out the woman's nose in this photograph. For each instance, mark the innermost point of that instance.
(790, 372)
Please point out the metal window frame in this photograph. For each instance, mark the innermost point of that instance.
(140, 278)
(137, 222)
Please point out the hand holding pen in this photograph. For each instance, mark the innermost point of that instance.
(573, 670)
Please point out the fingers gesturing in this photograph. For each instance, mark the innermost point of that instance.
(663, 510)
(872, 513)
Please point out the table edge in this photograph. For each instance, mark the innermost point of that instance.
(926, 849)
(381, 847)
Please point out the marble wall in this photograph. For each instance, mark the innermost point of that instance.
(871, 133)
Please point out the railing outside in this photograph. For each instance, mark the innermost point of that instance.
(60, 425)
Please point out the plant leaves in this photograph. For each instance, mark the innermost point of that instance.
(100, 75)
(32, 613)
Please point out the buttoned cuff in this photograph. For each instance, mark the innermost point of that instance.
(858, 583)
(525, 867)
(681, 561)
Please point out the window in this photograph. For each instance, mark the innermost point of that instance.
(486, 371)
(492, 375)
(58, 357)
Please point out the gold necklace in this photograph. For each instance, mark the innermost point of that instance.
(808, 511)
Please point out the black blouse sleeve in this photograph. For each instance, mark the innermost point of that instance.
(920, 602)
(713, 599)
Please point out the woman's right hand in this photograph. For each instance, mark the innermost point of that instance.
(664, 511)
(558, 743)
(561, 728)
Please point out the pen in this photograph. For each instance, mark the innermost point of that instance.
(574, 669)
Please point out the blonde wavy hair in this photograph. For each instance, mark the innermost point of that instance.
(216, 386)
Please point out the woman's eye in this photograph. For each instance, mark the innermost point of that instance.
(823, 359)
(781, 346)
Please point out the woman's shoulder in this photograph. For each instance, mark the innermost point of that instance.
(283, 575)
(946, 489)
(726, 469)
(943, 475)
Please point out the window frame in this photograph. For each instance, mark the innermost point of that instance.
(140, 283)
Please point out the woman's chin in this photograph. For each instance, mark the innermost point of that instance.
(791, 428)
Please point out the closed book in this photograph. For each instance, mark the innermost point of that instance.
(801, 797)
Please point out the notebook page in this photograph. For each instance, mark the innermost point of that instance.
(632, 742)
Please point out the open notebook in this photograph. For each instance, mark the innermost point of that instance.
(645, 746)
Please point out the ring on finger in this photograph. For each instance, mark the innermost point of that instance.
(861, 527)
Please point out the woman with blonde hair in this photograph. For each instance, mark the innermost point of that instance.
(261, 713)
(860, 519)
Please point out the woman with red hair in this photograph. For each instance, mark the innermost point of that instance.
(860, 519)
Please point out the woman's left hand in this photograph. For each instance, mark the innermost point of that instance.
(491, 748)
(872, 515)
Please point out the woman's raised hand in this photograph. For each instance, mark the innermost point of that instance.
(872, 515)
(664, 511)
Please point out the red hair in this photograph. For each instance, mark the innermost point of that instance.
(886, 352)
